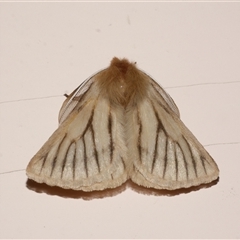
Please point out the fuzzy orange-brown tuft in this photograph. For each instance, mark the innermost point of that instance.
(122, 82)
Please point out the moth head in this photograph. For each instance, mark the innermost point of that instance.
(122, 82)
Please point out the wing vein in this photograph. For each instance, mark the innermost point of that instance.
(85, 157)
(94, 148)
(165, 159)
(110, 135)
(70, 104)
(139, 141)
(203, 164)
(74, 161)
(155, 148)
(56, 155)
(184, 160)
(88, 123)
(65, 159)
(159, 126)
(192, 156)
(176, 161)
(159, 102)
(80, 98)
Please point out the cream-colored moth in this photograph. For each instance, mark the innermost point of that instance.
(117, 125)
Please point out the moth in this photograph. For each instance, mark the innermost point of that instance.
(117, 125)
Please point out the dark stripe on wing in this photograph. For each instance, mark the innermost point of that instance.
(176, 161)
(203, 164)
(139, 141)
(95, 152)
(192, 156)
(56, 155)
(77, 100)
(111, 146)
(163, 106)
(159, 127)
(165, 159)
(155, 154)
(88, 123)
(45, 158)
(65, 158)
(74, 161)
(124, 165)
(85, 157)
(43, 163)
(184, 160)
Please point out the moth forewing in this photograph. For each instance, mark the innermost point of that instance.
(159, 93)
(76, 99)
(119, 125)
(170, 157)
